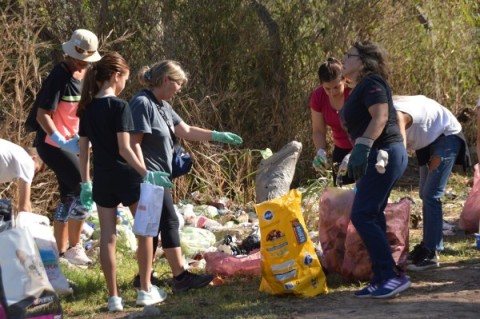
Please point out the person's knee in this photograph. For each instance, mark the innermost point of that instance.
(434, 163)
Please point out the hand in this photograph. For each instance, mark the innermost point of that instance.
(158, 178)
(320, 161)
(86, 195)
(342, 169)
(226, 137)
(70, 146)
(357, 165)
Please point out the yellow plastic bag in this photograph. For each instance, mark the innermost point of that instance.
(289, 262)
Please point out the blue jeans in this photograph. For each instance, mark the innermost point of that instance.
(369, 203)
(432, 185)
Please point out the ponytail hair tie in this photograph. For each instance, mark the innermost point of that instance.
(148, 75)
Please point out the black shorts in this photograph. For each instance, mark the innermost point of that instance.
(109, 199)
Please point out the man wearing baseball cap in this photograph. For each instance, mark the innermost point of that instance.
(57, 140)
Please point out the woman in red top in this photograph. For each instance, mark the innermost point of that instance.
(325, 103)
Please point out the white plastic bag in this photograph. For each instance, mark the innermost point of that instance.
(42, 233)
(22, 272)
(149, 210)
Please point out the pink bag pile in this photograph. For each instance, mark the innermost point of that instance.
(343, 249)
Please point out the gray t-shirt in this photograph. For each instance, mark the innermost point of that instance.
(157, 144)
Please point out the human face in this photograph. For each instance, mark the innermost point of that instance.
(169, 88)
(352, 64)
(79, 65)
(121, 81)
(334, 88)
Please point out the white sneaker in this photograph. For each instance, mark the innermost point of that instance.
(115, 304)
(151, 297)
(76, 255)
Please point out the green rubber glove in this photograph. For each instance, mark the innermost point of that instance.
(320, 161)
(357, 165)
(86, 195)
(158, 178)
(226, 137)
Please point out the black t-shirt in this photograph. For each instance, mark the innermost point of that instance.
(355, 117)
(102, 120)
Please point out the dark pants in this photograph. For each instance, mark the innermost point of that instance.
(369, 203)
(168, 224)
(66, 167)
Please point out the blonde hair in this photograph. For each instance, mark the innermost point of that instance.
(152, 76)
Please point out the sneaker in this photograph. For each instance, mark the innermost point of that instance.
(189, 281)
(366, 292)
(76, 255)
(392, 287)
(153, 280)
(151, 297)
(431, 260)
(417, 253)
(115, 304)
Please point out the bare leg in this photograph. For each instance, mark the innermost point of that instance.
(108, 244)
(175, 260)
(144, 256)
(74, 231)
(60, 231)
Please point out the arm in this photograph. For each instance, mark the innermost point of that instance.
(192, 133)
(24, 191)
(129, 155)
(84, 158)
(319, 130)
(44, 118)
(379, 114)
(136, 145)
(404, 122)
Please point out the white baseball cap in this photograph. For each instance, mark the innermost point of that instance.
(82, 46)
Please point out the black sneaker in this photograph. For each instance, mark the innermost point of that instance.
(153, 280)
(418, 253)
(430, 261)
(189, 281)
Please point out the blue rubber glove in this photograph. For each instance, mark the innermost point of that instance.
(226, 137)
(86, 195)
(70, 146)
(357, 165)
(320, 161)
(158, 178)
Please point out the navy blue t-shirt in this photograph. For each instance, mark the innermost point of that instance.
(102, 120)
(355, 117)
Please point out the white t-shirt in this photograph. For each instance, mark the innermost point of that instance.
(429, 120)
(15, 163)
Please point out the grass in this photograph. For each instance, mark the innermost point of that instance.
(239, 297)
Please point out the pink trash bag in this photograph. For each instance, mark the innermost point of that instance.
(356, 263)
(470, 216)
(219, 263)
(334, 215)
